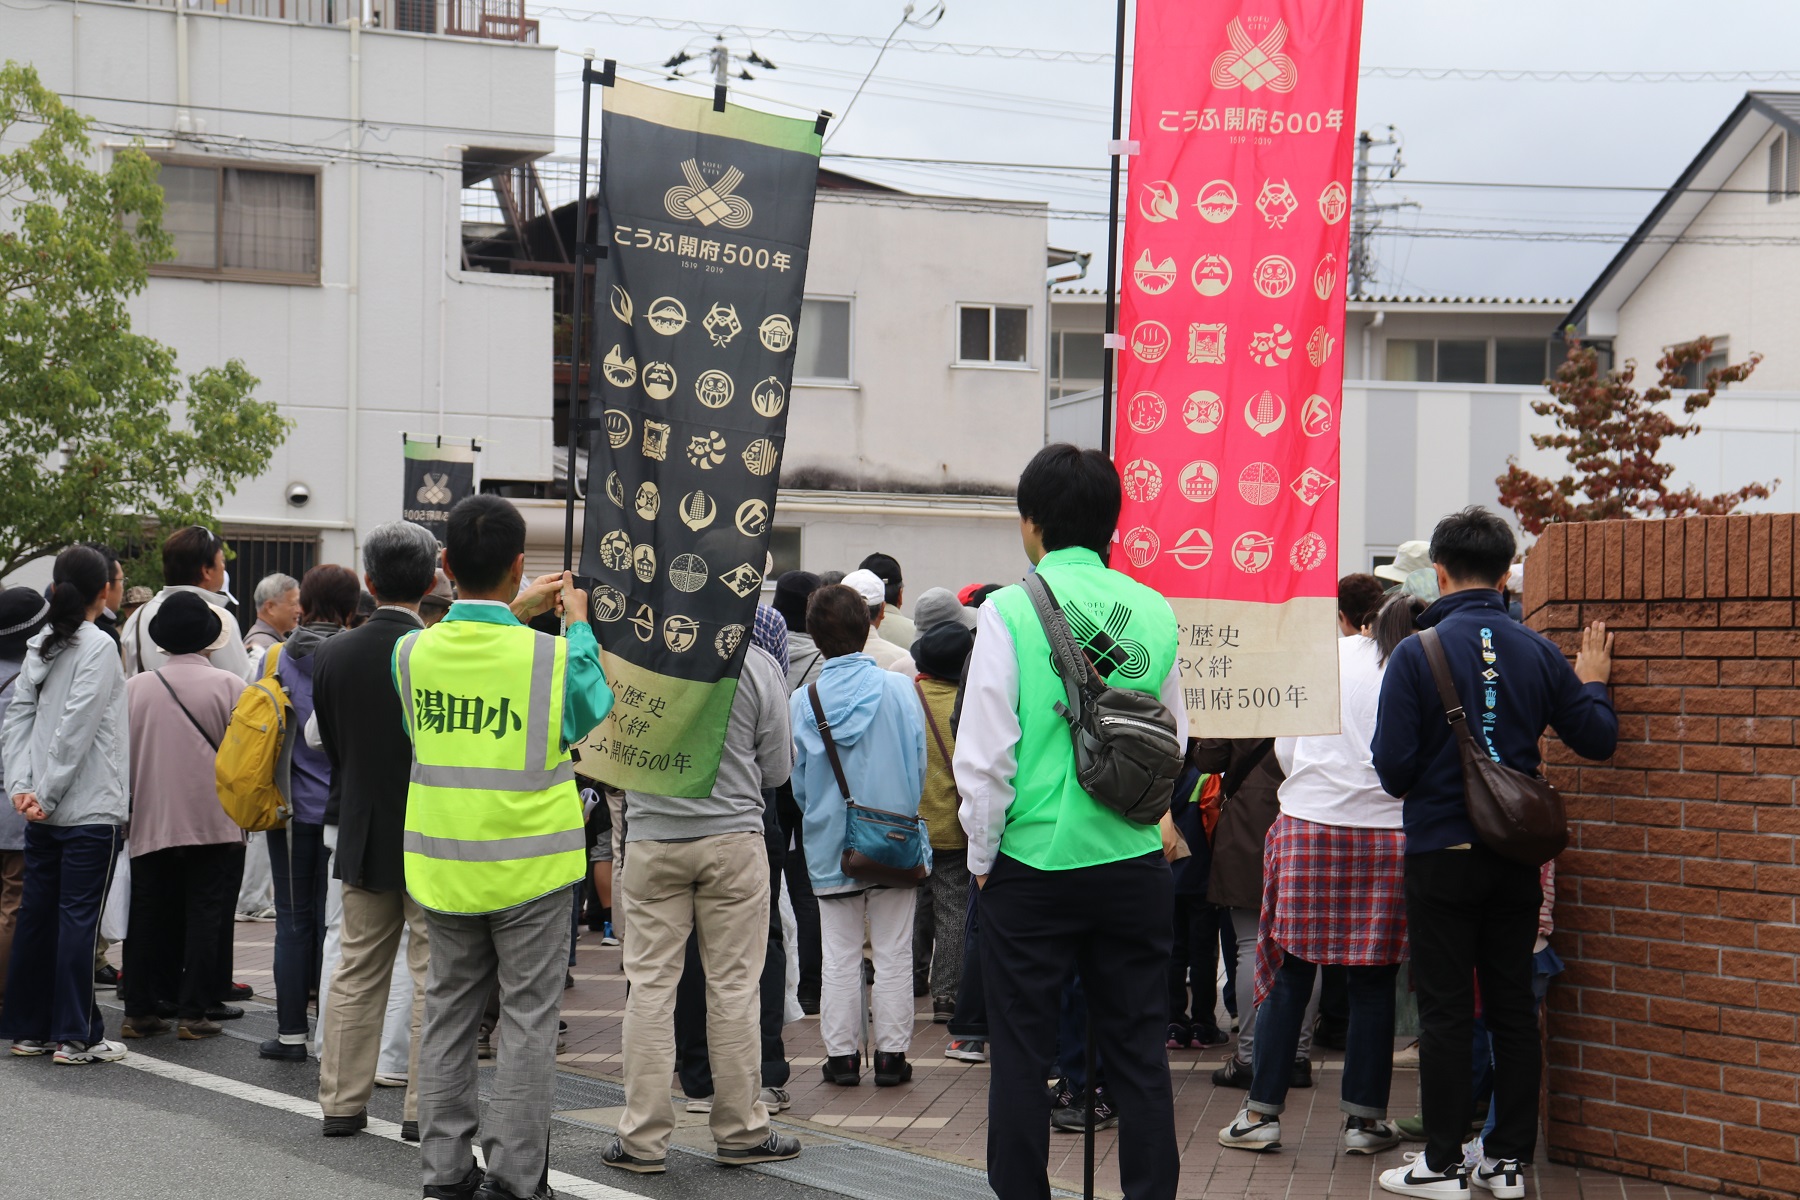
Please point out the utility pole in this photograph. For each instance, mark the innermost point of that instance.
(1365, 216)
(718, 58)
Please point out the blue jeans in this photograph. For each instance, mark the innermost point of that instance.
(1369, 1048)
(50, 981)
(299, 919)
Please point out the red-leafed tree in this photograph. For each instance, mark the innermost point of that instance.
(1612, 435)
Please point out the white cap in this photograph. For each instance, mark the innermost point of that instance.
(868, 585)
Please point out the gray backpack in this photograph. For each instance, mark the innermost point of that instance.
(1127, 756)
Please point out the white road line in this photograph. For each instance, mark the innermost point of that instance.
(564, 1183)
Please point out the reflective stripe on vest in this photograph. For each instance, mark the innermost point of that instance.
(493, 818)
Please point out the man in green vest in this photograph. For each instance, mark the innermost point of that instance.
(1068, 886)
(493, 843)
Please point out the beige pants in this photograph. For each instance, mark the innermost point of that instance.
(719, 886)
(357, 1007)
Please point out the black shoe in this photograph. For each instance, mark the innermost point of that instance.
(282, 1051)
(493, 1189)
(891, 1069)
(568, 980)
(1331, 1035)
(614, 1156)
(223, 1012)
(1073, 1118)
(777, 1147)
(1302, 1074)
(106, 975)
(471, 1183)
(166, 1011)
(409, 1131)
(942, 1010)
(1235, 1074)
(239, 991)
(1206, 1037)
(346, 1126)
(843, 1070)
(921, 986)
(809, 1005)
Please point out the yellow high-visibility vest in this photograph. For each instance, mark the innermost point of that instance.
(493, 818)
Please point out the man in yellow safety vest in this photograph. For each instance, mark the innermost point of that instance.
(493, 844)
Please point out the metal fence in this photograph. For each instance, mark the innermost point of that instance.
(495, 20)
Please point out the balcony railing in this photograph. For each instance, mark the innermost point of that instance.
(495, 20)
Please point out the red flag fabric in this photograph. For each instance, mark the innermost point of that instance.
(1231, 373)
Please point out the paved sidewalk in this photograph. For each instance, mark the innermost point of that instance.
(943, 1112)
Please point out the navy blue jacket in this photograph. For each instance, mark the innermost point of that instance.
(1512, 682)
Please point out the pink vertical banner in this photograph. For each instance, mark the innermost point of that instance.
(1231, 375)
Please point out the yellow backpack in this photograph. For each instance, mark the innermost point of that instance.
(254, 757)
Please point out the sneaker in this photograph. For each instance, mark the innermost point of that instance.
(843, 1070)
(1301, 1077)
(465, 1190)
(31, 1047)
(106, 975)
(349, 1126)
(809, 1005)
(607, 936)
(148, 1025)
(892, 1069)
(390, 1081)
(262, 914)
(1505, 1177)
(1072, 1117)
(1233, 1074)
(81, 1053)
(568, 981)
(967, 1049)
(224, 1012)
(282, 1051)
(1180, 1037)
(776, 1099)
(698, 1104)
(562, 1037)
(1410, 1129)
(777, 1147)
(942, 1010)
(1207, 1037)
(1418, 1179)
(1252, 1131)
(1407, 1058)
(409, 1131)
(1365, 1135)
(614, 1156)
(195, 1031)
(239, 991)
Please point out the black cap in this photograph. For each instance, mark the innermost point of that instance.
(23, 612)
(791, 593)
(941, 650)
(185, 624)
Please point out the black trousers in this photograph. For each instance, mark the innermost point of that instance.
(800, 893)
(1472, 915)
(180, 898)
(1194, 964)
(692, 1062)
(970, 1019)
(1111, 923)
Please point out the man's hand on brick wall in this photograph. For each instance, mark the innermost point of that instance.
(1594, 663)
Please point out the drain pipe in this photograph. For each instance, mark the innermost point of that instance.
(1368, 342)
(184, 121)
(353, 307)
(1081, 269)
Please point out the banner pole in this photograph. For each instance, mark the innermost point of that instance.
(1112, 240)
(579, 297)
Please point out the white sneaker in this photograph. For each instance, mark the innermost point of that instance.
(1252, 1131)
(699, 1104)
(776, 1099)
(80, 1053)
(1417, 1179)
(1505, 1177)
(390, 1081)
(31, 1047)
(1365, 1136)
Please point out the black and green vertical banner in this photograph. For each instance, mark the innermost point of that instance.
(707, 218)
(436, 478)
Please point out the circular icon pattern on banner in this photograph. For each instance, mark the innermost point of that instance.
(1142, 546)
(1259, 483)
(1211, 274)
(1275, 276)
(726, 641)
(619, 370)
(713, 389)
(1217, 201)
(680, 633)
(659, 380)
(666, 315)
(752, 518)
(615, 490)
(1325, 277)
(1333, 204)
(1203, 412)
(1159, 202)
(721, 324)
(643, 561)
(759, 456)
(1153, 277)
(615, 550)
(648, 501)
(1272, 347)
(1252, 552)
(1143, 480)
(1193, 549)
(1146, 411)
(1150, 341)
(706, 450)
(606, 603)
(1199, 481)
(1309, 552)
(618, 427)
(698, 510)
(1265, 412)
(776, 333)
(621, 304)
(688, 572)
(768, 398)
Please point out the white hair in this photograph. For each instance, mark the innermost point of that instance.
(273, 587)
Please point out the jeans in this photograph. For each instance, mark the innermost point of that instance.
(300, 888)
(1117, 938)
(1243, 922)
(50, 982)
(800, 893)
(1369, 1049)
(1194, 964)
(970, 1018)
(1472, 915)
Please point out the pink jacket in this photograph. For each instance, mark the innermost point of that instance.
(173, 799)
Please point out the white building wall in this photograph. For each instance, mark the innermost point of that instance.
(441, 350)
(1749, 294)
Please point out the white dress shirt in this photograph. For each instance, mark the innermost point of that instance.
(987, 738)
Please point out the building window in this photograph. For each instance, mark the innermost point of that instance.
(1521, 360)
(1077, 361)
(1696, 371)
(989, 333)
(822, 349)
(1474, 360)
(232, 222)
(784, 552)
(1411, 360)
(1461, 361)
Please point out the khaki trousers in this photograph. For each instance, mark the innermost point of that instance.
(718, 886)
(357, 1007)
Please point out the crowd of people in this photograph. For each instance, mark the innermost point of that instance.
(446, 826)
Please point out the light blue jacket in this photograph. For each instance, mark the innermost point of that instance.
(66, 736)
(879, 730)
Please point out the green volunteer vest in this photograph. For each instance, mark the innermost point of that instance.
(1129, 632)
(493, 818)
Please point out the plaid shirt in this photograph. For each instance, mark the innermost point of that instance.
(1331, 894)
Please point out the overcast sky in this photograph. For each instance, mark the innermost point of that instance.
(950, 106)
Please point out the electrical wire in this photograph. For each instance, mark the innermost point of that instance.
(906, 18)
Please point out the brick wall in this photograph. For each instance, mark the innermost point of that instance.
(1672, 1034)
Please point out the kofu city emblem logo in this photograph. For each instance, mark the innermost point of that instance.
(436, 491)
(709, 202)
